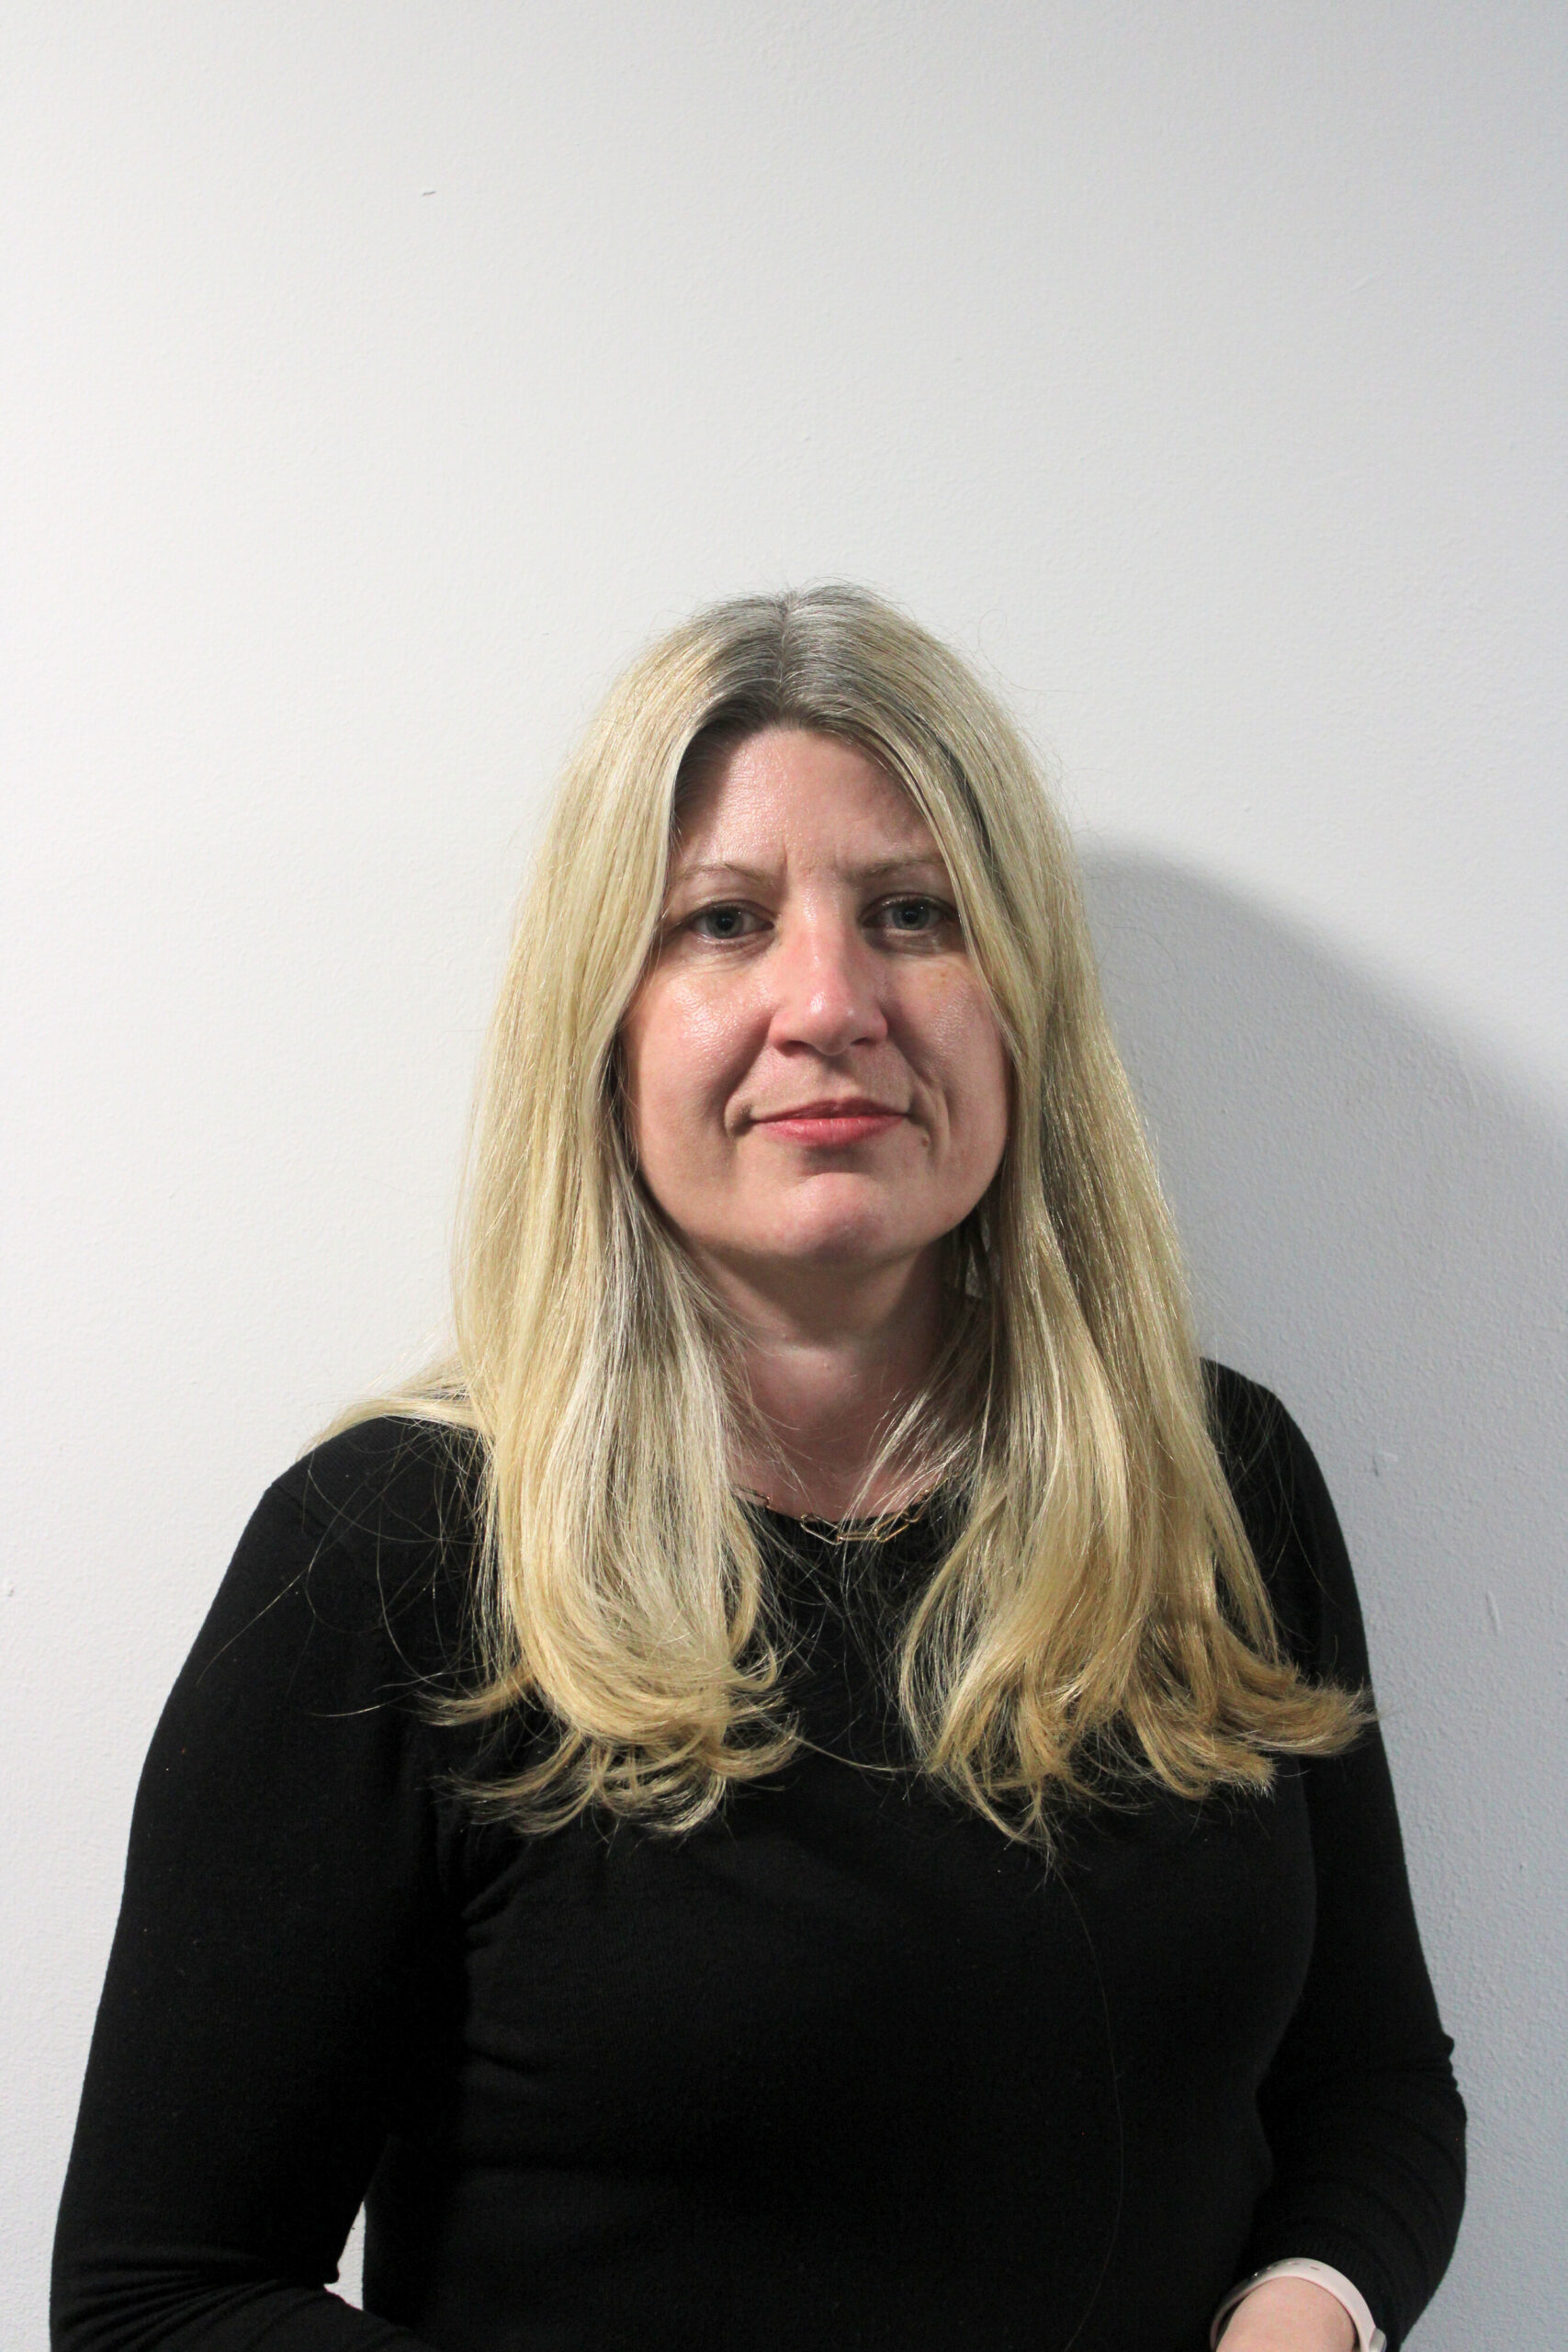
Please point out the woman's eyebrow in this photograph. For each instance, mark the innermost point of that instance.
(878, 870)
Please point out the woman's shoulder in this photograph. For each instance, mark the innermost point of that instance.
(391, 1489)
(1290, 1522)
(1254, 1435)
(370, 1538)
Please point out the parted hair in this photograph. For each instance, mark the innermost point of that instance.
(1093, 1598)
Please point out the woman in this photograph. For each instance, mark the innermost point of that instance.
(814, 1785)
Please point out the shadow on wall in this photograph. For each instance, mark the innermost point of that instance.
(1379, 1230)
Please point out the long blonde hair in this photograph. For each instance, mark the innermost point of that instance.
(1094, 1591)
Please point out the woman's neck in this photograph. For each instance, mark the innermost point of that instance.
(825, 1391)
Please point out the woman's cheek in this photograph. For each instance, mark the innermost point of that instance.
(965, 1047)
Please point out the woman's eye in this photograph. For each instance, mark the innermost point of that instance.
(915, 916)
(726, 921)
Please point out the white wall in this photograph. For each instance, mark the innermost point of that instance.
(377, 377)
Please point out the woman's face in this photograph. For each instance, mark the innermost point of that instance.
(815, 1079)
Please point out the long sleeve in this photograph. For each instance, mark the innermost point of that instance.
(278, 1928)
(1361, 2106)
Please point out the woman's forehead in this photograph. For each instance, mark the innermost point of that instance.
(787, 792)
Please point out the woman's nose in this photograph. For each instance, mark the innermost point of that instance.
(827, 985)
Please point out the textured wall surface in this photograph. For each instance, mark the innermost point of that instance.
(377, 377)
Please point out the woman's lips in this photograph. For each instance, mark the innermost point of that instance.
(845, 1127)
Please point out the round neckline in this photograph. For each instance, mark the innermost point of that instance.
(912, 1515)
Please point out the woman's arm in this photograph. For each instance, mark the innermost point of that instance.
(278, 1932)
(1361, 2106)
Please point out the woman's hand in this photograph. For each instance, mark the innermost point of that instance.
(1289, 2315)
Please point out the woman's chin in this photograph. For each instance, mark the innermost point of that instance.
(841, 1226)
(845, 1245)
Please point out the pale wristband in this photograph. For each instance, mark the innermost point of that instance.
(1370, 2337)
